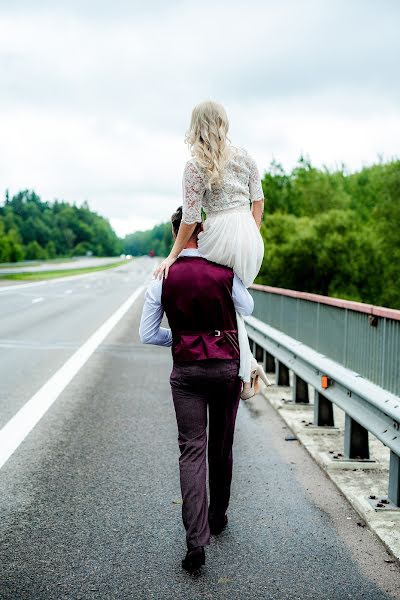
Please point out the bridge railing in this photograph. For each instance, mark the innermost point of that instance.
(348, 351)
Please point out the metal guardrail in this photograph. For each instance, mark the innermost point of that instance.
(367, 406)
(362, 337)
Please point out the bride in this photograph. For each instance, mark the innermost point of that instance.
(222, 187)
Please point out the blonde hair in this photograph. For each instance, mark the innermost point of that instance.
(207, 139)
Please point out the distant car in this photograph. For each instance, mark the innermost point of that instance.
(152, 253)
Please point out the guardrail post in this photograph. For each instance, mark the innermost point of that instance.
(281, 373)
(259, 353)
(269, 362)
(300, 390)
(323, 410)
(355, 439)
(394, 479)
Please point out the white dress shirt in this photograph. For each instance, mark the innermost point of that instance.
(150, 331)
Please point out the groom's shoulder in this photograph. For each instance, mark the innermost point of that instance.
(201, 264)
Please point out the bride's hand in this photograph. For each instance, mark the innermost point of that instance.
(163, 268)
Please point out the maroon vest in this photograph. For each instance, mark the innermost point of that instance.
(197, 299)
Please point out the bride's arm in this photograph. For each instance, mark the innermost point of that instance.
(257, 209)
(256, 192)
(184, 233)
(193, 191)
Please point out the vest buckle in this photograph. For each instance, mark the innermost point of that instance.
(217, 332)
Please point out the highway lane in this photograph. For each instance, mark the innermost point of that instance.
(90, 502)
(42, 325)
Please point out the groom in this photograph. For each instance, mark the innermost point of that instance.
(200, 298)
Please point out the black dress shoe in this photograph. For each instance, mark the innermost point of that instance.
(194, 559)
(217, 525)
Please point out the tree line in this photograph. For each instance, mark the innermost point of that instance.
(328, 232)
(334, 233)
(157, 240)
(32, 229)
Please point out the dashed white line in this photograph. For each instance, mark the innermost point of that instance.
(37, 300)
(20, 425)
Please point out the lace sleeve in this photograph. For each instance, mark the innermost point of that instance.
(193, 191)
(255, 187)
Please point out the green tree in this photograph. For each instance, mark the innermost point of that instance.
(51, 249)
(59, 229)
(34, 251)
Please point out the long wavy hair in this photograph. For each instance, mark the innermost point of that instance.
(208, 139)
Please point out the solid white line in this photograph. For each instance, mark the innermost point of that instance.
(18, 427)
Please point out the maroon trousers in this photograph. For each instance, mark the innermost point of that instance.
(196, 385)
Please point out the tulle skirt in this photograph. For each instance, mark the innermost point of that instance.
(232, 238)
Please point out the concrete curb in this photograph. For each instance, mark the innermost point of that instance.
(356, 480)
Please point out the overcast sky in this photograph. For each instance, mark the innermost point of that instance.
(95, 97)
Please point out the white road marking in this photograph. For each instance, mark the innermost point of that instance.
(68, 292)
(37, 300)
(22, 423)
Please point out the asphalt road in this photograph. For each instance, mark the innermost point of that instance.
(90, 503)
(78, 263)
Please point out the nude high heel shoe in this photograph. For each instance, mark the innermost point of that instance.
(255, 388)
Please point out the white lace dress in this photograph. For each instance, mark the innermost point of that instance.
(231, 236)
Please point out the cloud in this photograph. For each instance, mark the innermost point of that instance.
(95, 98)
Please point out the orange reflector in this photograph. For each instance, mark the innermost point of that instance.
(325, 381)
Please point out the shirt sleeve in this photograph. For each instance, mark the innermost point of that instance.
(193, 188)
(242, 299)
(255, 186)
(150, 331)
